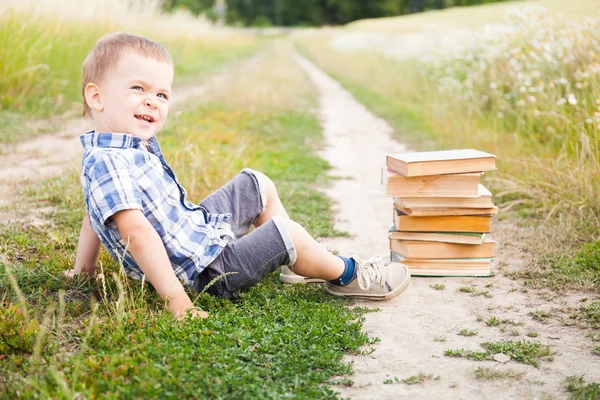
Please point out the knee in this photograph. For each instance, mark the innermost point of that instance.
(293, 228)
(268, 185)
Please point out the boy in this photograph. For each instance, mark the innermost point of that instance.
(138, 210)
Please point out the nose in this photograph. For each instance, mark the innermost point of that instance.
(149, 101)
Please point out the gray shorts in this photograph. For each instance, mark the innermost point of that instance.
(250, 256)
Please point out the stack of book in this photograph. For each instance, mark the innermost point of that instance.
(442, 212)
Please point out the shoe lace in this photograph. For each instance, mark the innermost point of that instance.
(369, 271)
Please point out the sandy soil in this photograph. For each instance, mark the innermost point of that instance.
(357, 143)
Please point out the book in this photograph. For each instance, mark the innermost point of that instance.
(441, 250)
(478, 267)
(441, 162)
(431, 212)
(469, 238)
(453, 185)
(445, 223)
(483, 200)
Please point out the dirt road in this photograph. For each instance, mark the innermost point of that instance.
(417, 327)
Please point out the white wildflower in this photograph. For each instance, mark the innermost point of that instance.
(500, 114)
(589, 121)
(493, 86)
(531, 99)
(571, 99)
(520, 103)
(522, 89)
(561, 101)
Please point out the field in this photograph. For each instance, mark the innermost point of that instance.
(521, 85)
(524, 87)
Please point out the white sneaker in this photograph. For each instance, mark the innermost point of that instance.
(287, 276)
(375, 280)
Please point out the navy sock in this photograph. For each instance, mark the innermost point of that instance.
(349, 272)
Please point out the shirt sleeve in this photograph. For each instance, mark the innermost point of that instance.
(113, 187)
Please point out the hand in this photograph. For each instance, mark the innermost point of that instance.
(70, 273)
(193, 313)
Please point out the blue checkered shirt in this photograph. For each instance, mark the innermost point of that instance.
(120, 173)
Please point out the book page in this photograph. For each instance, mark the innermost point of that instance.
(444, 155)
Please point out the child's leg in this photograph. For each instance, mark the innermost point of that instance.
(247, 260)
(273, 203)
(277, 240)
(312, 258)
(348, 277)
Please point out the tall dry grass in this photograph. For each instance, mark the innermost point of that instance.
(539, 83)
(528, 93)
(43, 43)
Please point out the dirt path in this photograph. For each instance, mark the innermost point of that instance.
(419, 325)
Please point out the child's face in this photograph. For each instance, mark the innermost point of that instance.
(134, 96)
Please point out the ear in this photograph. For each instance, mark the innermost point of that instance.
(92, 97)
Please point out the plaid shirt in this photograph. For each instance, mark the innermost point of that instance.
(120, 173)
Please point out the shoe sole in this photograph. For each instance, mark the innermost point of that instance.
(298, 280)
(377, 297)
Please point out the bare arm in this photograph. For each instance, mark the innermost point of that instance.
(88, 250)
(148, 250)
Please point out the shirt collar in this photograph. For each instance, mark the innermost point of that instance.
(116, 140)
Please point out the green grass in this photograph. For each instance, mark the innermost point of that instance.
(474, 292)
(419, 378)
(112, 337)
(495, 321)
(214, 142)
(590, 314)
(523, 351)
(540, 316)
(438, 286)
(560, 270)
(467, 332)
(580, 390)
(492, 321)
(488, 374)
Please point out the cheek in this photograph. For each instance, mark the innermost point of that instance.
(164, 110)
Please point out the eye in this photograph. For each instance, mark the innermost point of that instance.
(137, 88)
(163, 95)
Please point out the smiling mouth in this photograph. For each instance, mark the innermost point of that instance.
(146, 118)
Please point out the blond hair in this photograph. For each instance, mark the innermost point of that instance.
(107, 52)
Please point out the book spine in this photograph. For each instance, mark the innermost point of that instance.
(476, 224)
